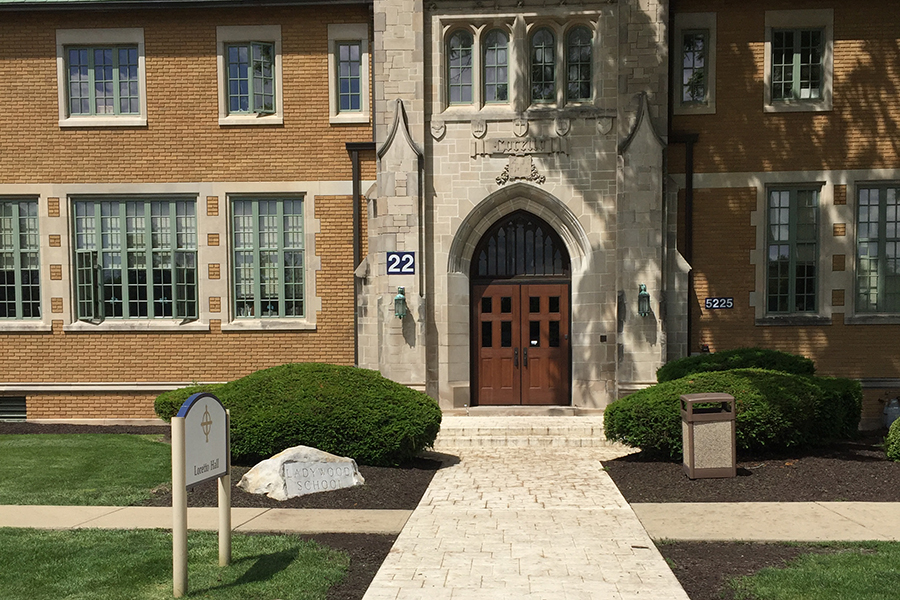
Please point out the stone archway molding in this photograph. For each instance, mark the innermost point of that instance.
(508, 199)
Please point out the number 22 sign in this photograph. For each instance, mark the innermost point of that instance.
(401, 263)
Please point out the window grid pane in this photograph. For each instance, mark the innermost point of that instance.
(103, 80)
(140, 283)
(460, 68)
(791, 281)
(496, 67)
(268, 258)
(238, 78)
(20, 294)
(578, 65)
(263, 78)
(878, 250)
(543, 66)
(797, 64)
(693, 69)
(349, 57)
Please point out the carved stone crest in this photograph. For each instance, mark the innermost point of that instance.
(438, 128)
(520, 168)
(562, 126)
(520, 127)
(479, 128)
(604, 125)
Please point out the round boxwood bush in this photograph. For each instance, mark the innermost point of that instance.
(774, 411)
(741, 358)
(892, 443)
(343, 410)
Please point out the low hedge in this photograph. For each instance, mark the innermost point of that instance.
(741, 358)
(342, 410)
(774, 411)
(892, 442)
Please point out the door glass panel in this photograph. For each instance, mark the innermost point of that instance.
(506, 304)
(506, 334)
(554, 304)
(554, 334)
(534, 334)
(534, 304)
(486, 334)
(486, 305)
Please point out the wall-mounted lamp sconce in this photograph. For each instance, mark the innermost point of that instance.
(643, 301)
(400, 309)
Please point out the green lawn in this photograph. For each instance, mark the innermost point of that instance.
(93, 564)
(847, 571)
(83, 469)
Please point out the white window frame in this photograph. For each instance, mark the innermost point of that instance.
(254, 33)
(800, 19)
(342, 33)
(92, 38)
(685, 22)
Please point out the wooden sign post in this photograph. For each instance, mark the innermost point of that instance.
(201, 450)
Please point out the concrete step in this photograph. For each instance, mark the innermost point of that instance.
(520, 432)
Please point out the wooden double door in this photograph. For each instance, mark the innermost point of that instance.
(521, 339)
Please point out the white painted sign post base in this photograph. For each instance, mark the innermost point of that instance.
(201, 450)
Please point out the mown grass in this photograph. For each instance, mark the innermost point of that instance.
(83, 469)
(845, 571)
(94, 564)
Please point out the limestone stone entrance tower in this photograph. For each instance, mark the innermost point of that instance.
(520, 170)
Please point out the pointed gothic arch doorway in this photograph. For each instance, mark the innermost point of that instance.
(520, 314)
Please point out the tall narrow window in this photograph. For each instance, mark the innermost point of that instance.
(103, 80)
(792, 250)
(136, 259)
(878, 250)
(268, 258)
(459, 63)
(496, 67)
(20, 266)
(543, 66)
(797, 65)
(349, 57)
(694, 70)
(578, 65)
(251, 78)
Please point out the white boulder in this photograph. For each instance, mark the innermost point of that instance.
(298, 471)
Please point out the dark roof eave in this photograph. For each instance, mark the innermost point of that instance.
(26, 5)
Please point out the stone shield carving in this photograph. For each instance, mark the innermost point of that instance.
(604, 125)
(438, 128)
(520, 127)
(479, 128)
(562, 126)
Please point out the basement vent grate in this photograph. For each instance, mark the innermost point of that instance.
(12, 408)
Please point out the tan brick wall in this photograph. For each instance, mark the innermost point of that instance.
(859, 133)
(172, 357)
(182, 140)
(723, 240)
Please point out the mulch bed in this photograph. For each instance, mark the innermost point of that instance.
(851, 471)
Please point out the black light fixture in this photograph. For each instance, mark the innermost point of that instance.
(643, 301)
(400, 309)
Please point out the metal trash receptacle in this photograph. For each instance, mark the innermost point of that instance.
(708, 435)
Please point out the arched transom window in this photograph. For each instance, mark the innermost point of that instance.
(520, 245)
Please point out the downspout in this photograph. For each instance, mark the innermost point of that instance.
(354, 148)
(688, 139)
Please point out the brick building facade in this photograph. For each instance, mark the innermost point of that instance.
(568, 195)
(794, 171)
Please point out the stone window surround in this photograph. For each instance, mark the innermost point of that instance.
(250, 33)
(829, 245)
(348, 32)
(206, 255)
(519, 28)
(697, 21)
(800, 19)
(99, 37)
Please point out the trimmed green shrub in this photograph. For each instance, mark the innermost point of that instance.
(343, 410)
(741, 358)
(167, 404)
(774, 411)
(892, 442)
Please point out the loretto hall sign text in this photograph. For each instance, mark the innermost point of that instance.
(201, 450)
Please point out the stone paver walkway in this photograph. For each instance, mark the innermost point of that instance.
(513, 523)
